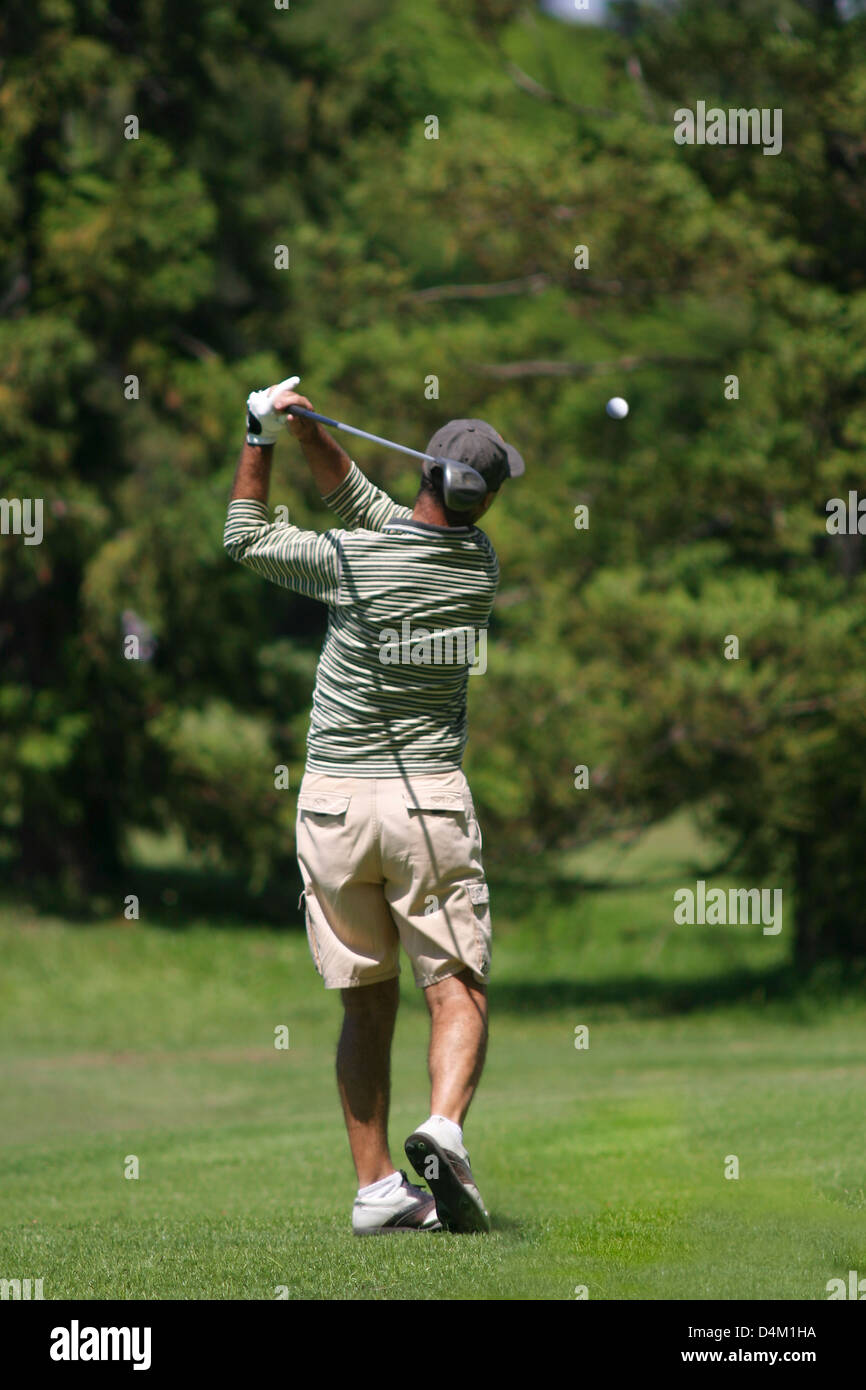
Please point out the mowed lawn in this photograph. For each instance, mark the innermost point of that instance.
(603, 1167)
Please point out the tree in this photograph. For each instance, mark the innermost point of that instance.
(541, 245)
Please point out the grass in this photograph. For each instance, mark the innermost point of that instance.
(602, 1167)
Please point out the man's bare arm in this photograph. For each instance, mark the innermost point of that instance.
(328, 463)
(253, 475)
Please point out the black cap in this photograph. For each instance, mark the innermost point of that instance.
(477, 444)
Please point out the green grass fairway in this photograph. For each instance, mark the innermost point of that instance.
(602, 1168)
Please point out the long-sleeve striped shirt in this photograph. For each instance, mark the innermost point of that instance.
(408, 609)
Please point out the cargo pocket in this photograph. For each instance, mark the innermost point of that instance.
(479, 896)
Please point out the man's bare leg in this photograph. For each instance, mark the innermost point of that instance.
(458, 1043)
(364, 1074)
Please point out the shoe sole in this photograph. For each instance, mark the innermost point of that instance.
(456, 1208)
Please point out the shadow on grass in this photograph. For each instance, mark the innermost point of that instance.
(177, 898)
(225, 897)
(515, 1229)
(171, 898)
(525, 891)
(645, 997)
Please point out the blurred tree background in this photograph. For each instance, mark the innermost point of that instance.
(453, 258)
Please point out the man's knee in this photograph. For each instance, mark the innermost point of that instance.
(456, 991)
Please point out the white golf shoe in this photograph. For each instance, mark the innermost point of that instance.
(408, 1208)
(445, 1166)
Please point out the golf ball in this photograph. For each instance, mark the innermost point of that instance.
(617, 408)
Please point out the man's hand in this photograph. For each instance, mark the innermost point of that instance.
(283, 400)
(264, 420)
(267, 417)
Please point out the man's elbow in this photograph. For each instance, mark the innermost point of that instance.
(236, 544)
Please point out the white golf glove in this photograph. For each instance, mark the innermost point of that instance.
(264, 425)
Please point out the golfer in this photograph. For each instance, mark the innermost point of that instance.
(387, 839)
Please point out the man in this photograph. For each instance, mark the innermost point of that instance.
(387, 840)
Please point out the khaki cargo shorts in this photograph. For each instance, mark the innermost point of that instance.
(387, 860)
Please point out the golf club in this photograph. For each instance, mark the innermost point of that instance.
(462, 487)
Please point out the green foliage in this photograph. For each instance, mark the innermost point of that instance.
(221, 789)
(410, 258)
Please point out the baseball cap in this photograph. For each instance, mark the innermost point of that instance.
(477, 444)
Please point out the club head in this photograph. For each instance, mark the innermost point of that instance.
(462, 487)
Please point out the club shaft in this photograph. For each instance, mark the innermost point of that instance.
(362, 434)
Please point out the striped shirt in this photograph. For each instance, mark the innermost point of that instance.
(408, 605)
